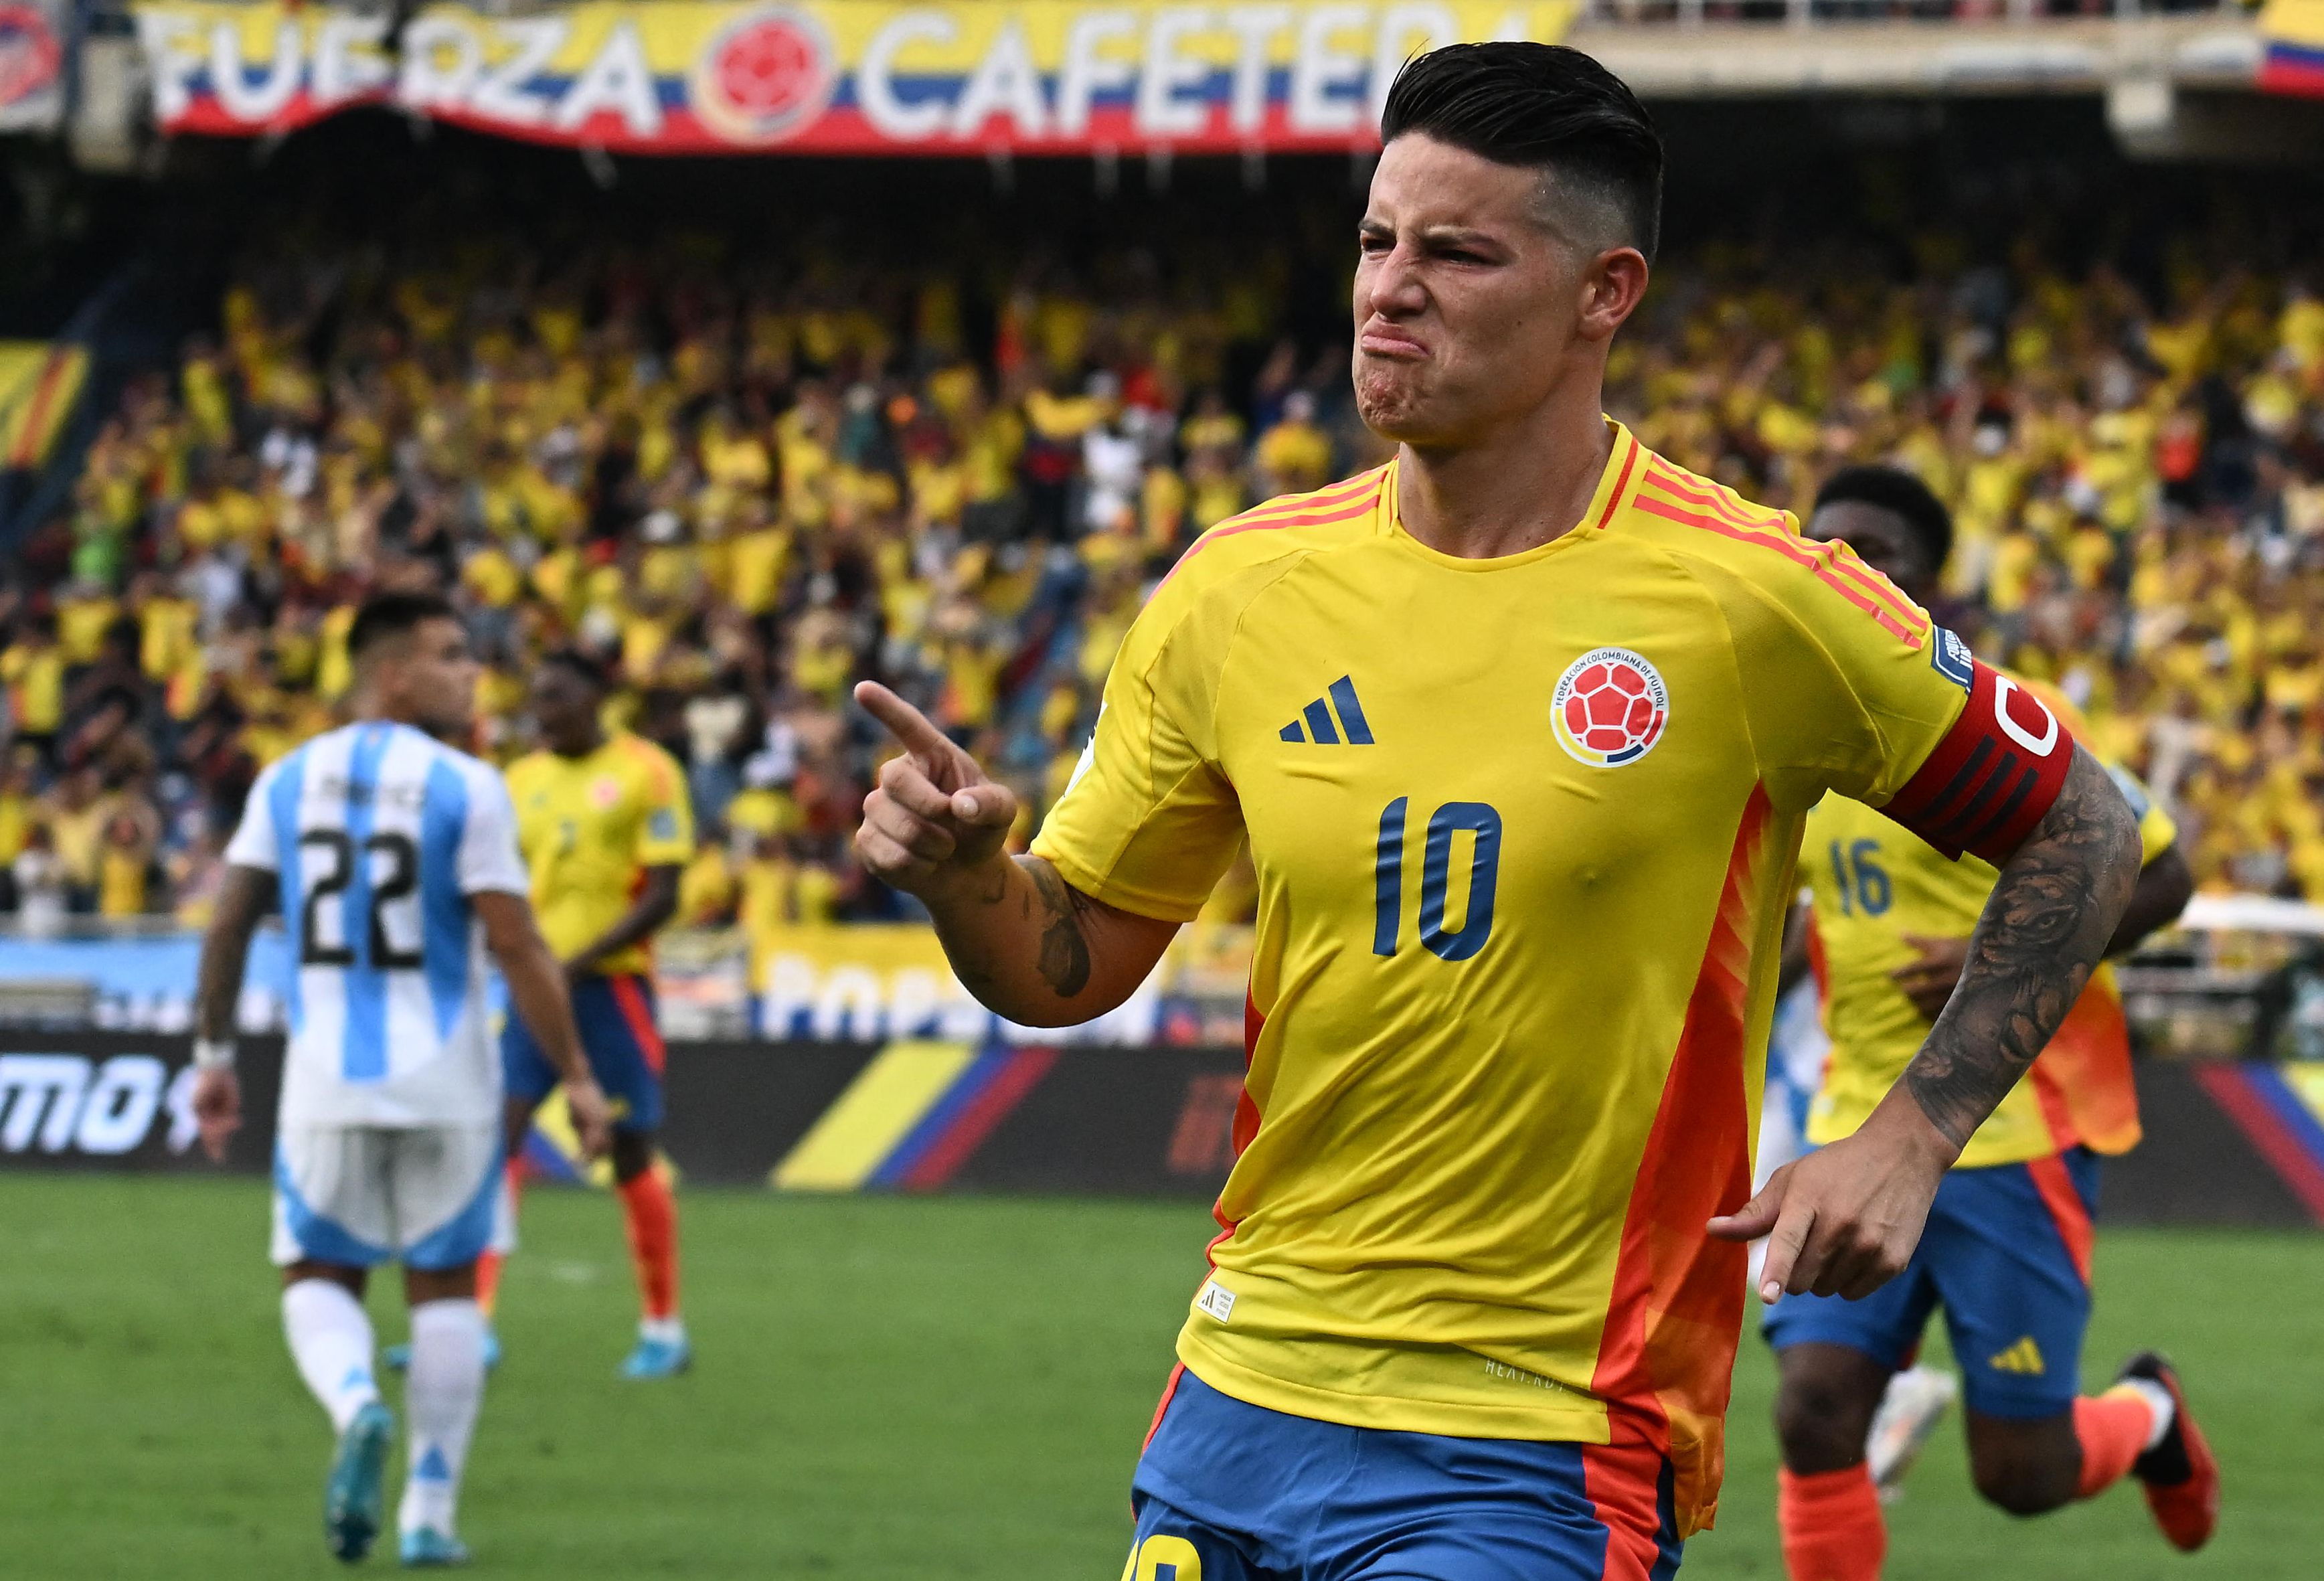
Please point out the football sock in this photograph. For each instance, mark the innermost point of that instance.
(488, 1266)
(2114, 1429)
(442, 1394)
(488, 1281)
(1833, 1528)
(330, 1339)
(651, 1213)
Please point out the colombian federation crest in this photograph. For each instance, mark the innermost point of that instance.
(1609, 708)
(765, 76)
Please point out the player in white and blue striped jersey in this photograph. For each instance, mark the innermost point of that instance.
(393, 858)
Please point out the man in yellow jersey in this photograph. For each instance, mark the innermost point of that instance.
(2007, 1253)
(1520, 728)
(605, 828)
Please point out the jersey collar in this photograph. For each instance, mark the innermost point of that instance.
(1614, 485)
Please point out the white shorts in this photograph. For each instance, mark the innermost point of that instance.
(363, 1195)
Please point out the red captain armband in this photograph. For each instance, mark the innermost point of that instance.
(1993, 776)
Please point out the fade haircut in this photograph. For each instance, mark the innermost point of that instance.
(1550, 108)
(1902, 494)
(391, 614)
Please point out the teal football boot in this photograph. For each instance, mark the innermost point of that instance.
(658, 1358)
(427, 1548)
(353, 1501)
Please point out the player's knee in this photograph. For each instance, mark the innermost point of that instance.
(633, 1154)
(1820, 1423)
(2021, 1485)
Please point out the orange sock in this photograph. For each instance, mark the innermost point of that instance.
(651, 1213)
(2113, 1428)
(1831, 1525)
(488, 1266)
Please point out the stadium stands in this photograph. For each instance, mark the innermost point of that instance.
(751, 473)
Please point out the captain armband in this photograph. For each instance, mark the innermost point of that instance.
(1993, 776)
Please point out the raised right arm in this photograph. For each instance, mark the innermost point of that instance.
(1029, 946)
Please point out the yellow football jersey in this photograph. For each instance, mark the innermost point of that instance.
(1525, 830)
(589, 827)
(1874, 885)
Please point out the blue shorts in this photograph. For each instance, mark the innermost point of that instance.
(1231, 1491)
(2007, 1254)
(616, 1018)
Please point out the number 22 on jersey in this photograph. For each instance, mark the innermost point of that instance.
(349, 870)
(1474, 819)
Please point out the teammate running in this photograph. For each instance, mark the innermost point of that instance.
(1521, 728)
(389, 854)
(2007, 1253)
(607, 829)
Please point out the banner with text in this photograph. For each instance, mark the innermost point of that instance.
(825, 76)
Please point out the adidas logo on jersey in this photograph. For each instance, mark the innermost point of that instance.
(2025, 1358)
(1320, 726)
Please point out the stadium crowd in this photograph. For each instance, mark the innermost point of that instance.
(746, 482)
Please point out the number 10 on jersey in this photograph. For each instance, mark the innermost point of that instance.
(1454, 817)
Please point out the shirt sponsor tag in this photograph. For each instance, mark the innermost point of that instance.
(1217, 1300)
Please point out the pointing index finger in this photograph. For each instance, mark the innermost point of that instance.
(906, 722)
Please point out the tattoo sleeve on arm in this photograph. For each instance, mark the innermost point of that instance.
(2046, 926)
(242, 901)
(1064, 961)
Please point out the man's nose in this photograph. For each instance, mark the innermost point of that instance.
(1394, 288)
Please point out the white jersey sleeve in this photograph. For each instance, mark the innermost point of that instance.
(255, 843)
(489, 860)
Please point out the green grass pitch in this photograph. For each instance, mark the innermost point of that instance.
(897, 1389)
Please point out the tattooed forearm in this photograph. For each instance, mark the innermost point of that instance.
(1064, 962)
(2046, 925)
(1030, 946)
(242, 901)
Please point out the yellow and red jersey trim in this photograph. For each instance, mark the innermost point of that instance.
(1666, 1357)
(1341, 502)
(1703, 505)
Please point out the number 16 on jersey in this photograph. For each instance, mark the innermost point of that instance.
(1474, 819)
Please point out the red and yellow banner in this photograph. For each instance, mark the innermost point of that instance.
(826, 75)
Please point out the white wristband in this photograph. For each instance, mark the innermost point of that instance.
(213, 1053)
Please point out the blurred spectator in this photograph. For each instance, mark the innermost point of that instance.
(747, 479)
(40, 885)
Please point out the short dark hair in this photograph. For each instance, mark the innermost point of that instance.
(391, 614)
(580, 662)
(1545, 106)
(1896, 490)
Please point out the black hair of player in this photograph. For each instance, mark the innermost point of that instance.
(1901, 494)
(391, 614)
(1543, 105)
(574, 662)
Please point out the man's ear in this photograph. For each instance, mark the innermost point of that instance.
(1612, 287)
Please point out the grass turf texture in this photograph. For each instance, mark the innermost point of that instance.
(890, 1389)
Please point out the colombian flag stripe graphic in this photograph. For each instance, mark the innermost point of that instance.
(912, 1117)
(2282, 1127)
(951, 1132)
(876, 1113)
